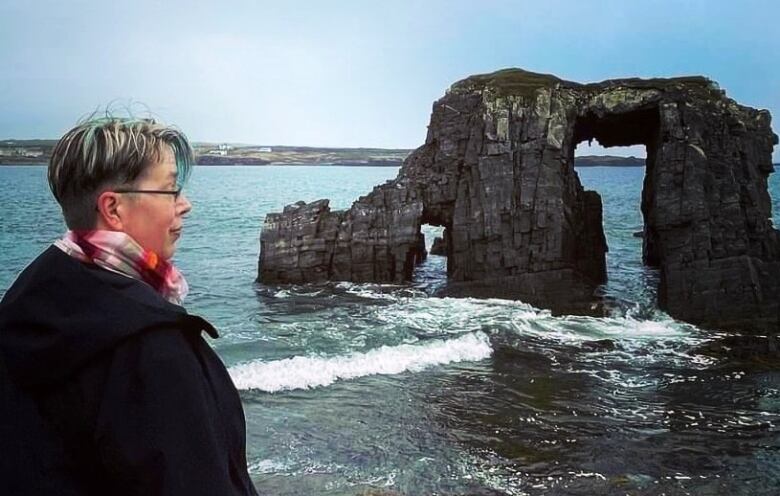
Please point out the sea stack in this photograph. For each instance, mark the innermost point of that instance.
(497, 171)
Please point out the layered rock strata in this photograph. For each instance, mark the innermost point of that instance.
(497, 171)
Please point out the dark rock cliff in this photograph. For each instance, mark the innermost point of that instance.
(496, 170)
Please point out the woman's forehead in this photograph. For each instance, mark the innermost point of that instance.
(164, 167)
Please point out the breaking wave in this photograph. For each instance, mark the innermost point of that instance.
(303, 372)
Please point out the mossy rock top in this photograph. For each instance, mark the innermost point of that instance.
(509, 82)
(515, 81)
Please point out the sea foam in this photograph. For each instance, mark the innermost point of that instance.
(304, 372)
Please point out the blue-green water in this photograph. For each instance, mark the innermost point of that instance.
(348, 387)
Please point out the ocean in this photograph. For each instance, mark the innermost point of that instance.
(351, 388)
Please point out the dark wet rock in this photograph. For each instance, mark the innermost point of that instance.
(639, 234)
(745, 349)
(497, 171)
(439, 247)
(564, 291)
(375, 491)
(599, 345)
(420, 252)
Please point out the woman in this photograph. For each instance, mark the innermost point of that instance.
(106, 384)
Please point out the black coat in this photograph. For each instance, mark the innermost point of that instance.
(108, 389)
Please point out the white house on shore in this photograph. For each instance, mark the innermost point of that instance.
(21, 152)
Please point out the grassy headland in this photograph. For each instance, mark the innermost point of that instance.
(19, 152)
(213, 154)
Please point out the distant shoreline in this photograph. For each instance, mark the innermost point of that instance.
(38, 152)
(608, 161)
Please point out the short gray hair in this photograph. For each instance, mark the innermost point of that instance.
(108, 151)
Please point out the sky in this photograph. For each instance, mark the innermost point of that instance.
(352, 73)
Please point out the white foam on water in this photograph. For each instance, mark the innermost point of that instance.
(457, 315)
(304, 372)
(651, 338)
(628, 331)
(267, 466)
(282, 293)
(454, 315)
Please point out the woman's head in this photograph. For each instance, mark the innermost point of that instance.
(120, 174)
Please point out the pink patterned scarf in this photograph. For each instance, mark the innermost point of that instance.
(118, 252)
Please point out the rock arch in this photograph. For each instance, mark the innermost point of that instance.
(497, 171)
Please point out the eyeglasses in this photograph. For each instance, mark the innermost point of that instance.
(175, 193)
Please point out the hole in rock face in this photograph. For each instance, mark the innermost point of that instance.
(434, 239)
(430, 273)
(614, 156)
(638, 127)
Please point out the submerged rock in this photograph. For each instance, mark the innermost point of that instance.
(599, 345)
(749, 350)
(497, 171)
(375, 491)
(439, 247)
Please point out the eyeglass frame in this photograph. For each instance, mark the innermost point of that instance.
(176, 193)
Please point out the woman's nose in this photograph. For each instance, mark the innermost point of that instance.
(184, 204)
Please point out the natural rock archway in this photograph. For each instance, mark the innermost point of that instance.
(497, 171)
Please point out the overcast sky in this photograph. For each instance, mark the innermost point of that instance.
(352, 73)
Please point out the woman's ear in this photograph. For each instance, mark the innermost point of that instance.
(109, 207)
